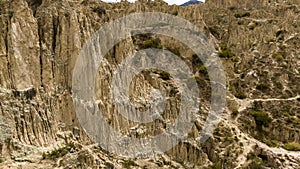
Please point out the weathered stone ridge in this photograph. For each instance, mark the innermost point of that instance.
(257, 41)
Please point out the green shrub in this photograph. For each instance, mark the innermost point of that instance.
(128, 163)
(149, 44)
(99, 10)
(241, 15)
(216, 166)
(203, 70)
(230, 139)
(293, 146)
(174, 51)
(262, 86)
(225, 52)
(235, 112)
(196, 60)
(1, 160)
(232, 8)
(247, 14)
(181, 161)
(235, 59)
(60, 152)
(271, 143)
(235, 87)
(152, 43)
(240, 95)
(277, 56)
(109, 165)
(191, 134)
(237, 15)
(261, 118)
(256, 163)
(200, 82)
(214, 30)
(30, 94)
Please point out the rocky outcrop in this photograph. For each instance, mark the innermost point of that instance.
(40, 41)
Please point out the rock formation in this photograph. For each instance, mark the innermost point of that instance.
(258, 43)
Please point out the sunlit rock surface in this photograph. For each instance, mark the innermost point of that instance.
(258, 43)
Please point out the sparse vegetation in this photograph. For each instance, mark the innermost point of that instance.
(277, 56)
(235, 59)
(229, 139)
(271, 143)
(152, 43)
(232, 8)
(200, 82)
(149, 44)
(203, 70)
(99, 10)
(216, 166)
(251, 61)
(236, 88)
(241, 15)
(196, 60)
(256, 163)
(293, 146)
(251, 44)
(30, 94)
(60, 152)
(214, 30)
(128, 163)
(235, 112)
(174, 51)
(240, 95)
(225, 52)
(262, 86)
(191, 134)
(261, 118)
(181, 161)
(109, 165)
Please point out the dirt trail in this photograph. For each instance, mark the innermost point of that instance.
(249, 141)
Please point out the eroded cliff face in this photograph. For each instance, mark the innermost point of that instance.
(258, 43)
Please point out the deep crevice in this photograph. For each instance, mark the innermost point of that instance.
(41, 37)
(55, 23)
(10, 15)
